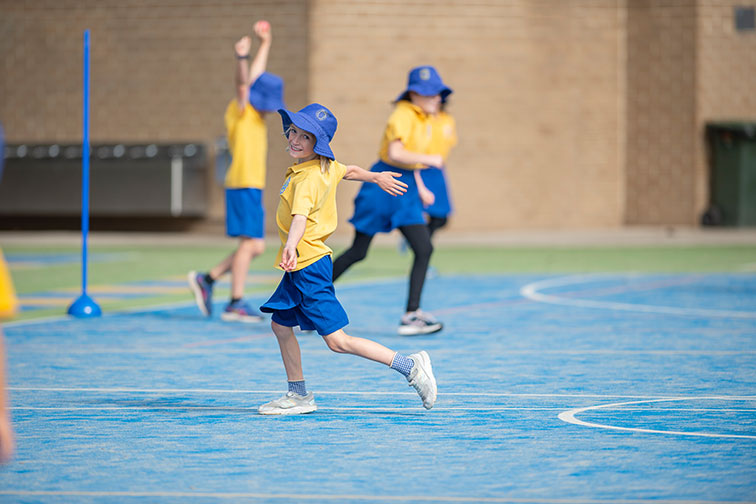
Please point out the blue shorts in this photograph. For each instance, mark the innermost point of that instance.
(306, 298)
(245, 214)
(435, 180)
(376, 211)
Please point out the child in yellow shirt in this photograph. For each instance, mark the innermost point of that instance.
(305, 297)
(258, 92)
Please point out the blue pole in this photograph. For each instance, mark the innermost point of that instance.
(85, 306)
(85, 169)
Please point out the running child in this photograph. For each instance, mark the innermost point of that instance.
(305, 297)
(406, 149)
(257, 92)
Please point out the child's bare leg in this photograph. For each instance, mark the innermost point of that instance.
(290, 353)
(248, 249)
(341, 342)
(416, 368)
(222, 267)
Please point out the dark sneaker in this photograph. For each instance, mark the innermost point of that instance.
(419, 322)
(203, 292)
(239, 311)
(422, 380)
(289, 404)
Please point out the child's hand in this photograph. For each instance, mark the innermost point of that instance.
(243, 46)
(426, 196)
(288, 259)
(262, 30)
(388, 181)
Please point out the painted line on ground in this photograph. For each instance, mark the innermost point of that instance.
(354, 497)
(531, 291)
(570, 417)
(660, 397)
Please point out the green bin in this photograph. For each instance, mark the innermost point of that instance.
(732, 148)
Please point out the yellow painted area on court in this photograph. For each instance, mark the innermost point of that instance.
(44, 301)
(137, 289)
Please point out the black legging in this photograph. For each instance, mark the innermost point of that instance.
(418, 238)
(436, 223)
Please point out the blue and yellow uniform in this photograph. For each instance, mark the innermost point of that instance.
(305, 296)
(443, 139)
(378, 212)
(245, 179)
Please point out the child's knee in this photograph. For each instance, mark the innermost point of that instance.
(252, 246)
(338, 341)
(281, 331)
(424, 250)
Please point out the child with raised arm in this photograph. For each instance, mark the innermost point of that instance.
(305, 297)
(257, 92)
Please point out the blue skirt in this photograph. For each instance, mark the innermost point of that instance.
(435, 180)
(376, 211)
(306, 298)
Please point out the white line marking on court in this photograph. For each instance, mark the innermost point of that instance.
(354, 497)
(570, 417)
(531, 291)
(361, 392)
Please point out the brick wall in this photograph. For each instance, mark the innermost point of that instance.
(537, 99)
(571, 113)
(661, 101)
(160, 71)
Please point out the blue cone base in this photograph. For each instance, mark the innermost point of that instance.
(84, 307)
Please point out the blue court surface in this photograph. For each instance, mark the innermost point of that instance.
(616, 388)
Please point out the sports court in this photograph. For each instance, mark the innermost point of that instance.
(553, 387)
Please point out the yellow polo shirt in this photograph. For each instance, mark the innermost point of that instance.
(248, 143)
(444, 135)
(8, 301)
(412, 126)
(307, 191)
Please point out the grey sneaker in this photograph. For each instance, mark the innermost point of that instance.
(289, 404)
(422, 379)
(419, 322)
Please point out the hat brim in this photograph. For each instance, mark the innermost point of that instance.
(304, 123)
(443, 91)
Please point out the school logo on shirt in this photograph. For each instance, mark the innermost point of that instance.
(285, 185)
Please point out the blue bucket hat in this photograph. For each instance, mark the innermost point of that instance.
(424, 80)
(266, 93)
(317, 120)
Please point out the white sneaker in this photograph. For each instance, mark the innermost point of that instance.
(289, 404)
(419, 322)
(422, 379)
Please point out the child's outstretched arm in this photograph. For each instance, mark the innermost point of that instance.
(388, 181)
(296, 232)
